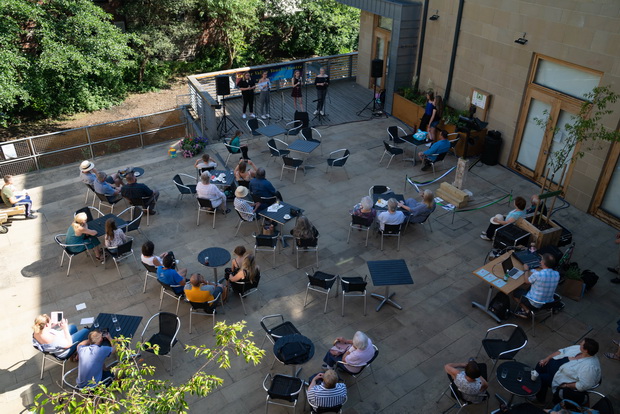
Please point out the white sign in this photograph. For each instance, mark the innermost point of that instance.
(479, 99)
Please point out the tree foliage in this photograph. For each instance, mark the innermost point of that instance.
(136, 391)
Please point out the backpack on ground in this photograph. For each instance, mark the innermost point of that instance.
(500, 306)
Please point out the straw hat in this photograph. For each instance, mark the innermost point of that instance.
(241, 192)
(495, 218)
(86, 166)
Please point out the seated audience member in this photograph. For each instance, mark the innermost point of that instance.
(248, 272)
(543, 284)
(88, 175)
(238, 147)
(236, 262)
(168, 275)
(200, 291)
(439, 147)
(114, 236)
(356, 352)
(304, 232)
(92, 354)
(136, 191)
(569, 371)
(79, 233)
(103, 187)
(542, 207)
(419, 211)
(498, 221)
(208, 191)
(468, 380)
(242, 173)
(148, 257)
(325, 391)
(365, 210)
(391, 216)
(57, 338)
(205, 162)
(246, 208)
(261, 187)
(11, 197)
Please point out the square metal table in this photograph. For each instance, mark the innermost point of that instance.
(409, 139)
(228, 179)
(128, 324)
(386, 196)
(278, 217)
(98, 224)
(303, 146)
(388, 273)
(271, 130)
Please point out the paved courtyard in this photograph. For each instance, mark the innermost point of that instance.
(437, 324)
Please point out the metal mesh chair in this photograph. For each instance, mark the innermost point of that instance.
(204, 309)
(282, 390)
(244, 289)
(253, 124)
(393, 134)
(359, 223)
(204, 205)
(275, 151)
(307, 245)
(266, 243)
(460, 401)
(392, 151)
(183, 188)
(353, 286)
(322, 283)
(292, 164)
(66, 250)
(245, 219)
(165, 337)
(342, 367)
(58, 359)
(503, 349)
(338, 158)
(168, 290)
(391, 230)
(106, 202)
(120, 253)
(135, 218)
(151, 271)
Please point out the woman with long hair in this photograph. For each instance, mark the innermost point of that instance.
(264, 88)
(242, 173)
(114, 236)
(248, 272)
(57, 337)
(428, 110)
(79, 233)
(304, 230)
(419, 211)
(435, 117)
(296, 92)
(246, 86)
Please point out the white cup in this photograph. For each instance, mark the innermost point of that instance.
(534, 375)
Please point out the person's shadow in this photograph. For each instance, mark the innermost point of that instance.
(29, 390)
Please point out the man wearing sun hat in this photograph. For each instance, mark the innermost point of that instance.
(88, 173)
(245, 208)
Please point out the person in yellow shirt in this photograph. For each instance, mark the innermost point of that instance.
(200, 291)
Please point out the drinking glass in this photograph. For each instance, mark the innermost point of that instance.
(520, 376)
(96, 323)
(504, 373)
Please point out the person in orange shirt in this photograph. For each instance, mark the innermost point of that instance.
(200, 291)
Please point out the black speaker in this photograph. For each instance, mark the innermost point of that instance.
(376, 68)
(222, 85)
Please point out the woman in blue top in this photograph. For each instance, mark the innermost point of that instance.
(513, 216)
(79, 233)
(428, 110)
(237, 147)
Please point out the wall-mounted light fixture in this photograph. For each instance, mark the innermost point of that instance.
(522, 40)
(434, 16)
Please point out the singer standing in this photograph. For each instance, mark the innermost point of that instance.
(296, 93)
(247, 86)
(321, 82)
(264, 87)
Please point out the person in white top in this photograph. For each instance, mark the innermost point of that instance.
(391, 216)
(468, 379)
(264, 87)
(206, 190)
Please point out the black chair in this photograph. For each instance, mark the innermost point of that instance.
(421, 220)
(341, 367)
(275, 151)
(292, 164)
(359, 223)
(266, 243)
(69, 379)
(393, 134)
(282, 388)
(438, 159)
(378, 189)
(58, 359)
(168, 290)
(503, 349)
(338, 158)
(183, 188)
(60, 240)
(324, 410)
(143, 203)
(206, 206)
(166, 337)
(120, 253)
(310, 134)
(301, 120)
(253, 124)
(135, 218)
(604, 405)
(151, 271)
(460, 401)
(322, 283)
(545, 309)
(232, 150)
(204, 309)
(105, 202)
(307, 245)
(244, 289)
(392, 151)
(244, 218)
(391, 230)
(353, 287)
(275, 331)
(90, 189)
(89, 212)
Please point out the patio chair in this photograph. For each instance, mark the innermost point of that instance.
(301, 120)
(341, 367)
(274, 330)
(439, 158)
(165, 337)
(292, 164)
(143, 203)
(338, 158)
(89, 212)
(361, 224)
(183, 188)
(60, 240)
(275, 151)
(90, 190)
(545, 309)
(266, 243)
(168, 290)
(393, 134)
(378, 189)
(204, 205)
(353, 287)
(310, 134)
(70, 380)
(282, 388)
(135, 218)
(232, 150)
(503, 349)
(58, 359)
(420, 220)
(151, 271)
(245, 218)
(244, 289)
(320, 282)
(456, 394)
(253, 124)
(204, 309)
(603, 405)
(391, 230)
(307, 245)
(120, 253)
(105, 202)
(392, 151)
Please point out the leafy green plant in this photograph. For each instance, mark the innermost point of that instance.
(136, 391)
(572, 272)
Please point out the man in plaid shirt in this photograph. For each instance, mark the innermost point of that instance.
(543, 284)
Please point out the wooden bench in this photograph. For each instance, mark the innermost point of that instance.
(12, 211)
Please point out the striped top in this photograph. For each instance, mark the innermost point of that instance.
(319, 396)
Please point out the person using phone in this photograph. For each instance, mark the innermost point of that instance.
(93, 352)
(57, 337)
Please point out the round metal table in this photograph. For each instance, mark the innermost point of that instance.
(508, 375)
(217, 257)
(294, 350)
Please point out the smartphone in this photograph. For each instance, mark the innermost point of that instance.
(56, 317)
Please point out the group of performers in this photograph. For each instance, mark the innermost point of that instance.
(248, 87)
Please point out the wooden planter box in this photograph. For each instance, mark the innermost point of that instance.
(551, 236)
(407, 111)
(573, 289)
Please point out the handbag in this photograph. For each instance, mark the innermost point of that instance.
(339, 348)
(420, 135)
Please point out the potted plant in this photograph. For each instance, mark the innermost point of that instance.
(573, 287)
(190, 146)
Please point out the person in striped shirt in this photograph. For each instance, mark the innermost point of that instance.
(325, 391)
